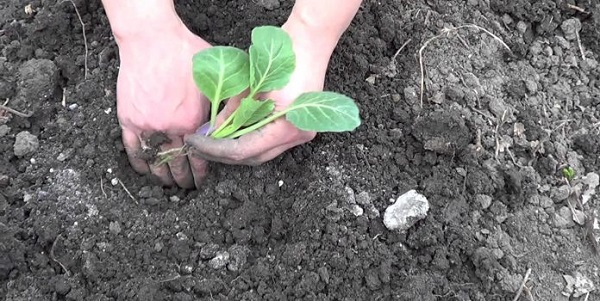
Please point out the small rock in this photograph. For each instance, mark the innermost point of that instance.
(323, 274)
(410, 95)
(220, 260)
(186, 269)
(561, 193)
(209, 286)
(61, 286)
(152, 201)
(238, 256)
(351, 198)
(356, 210)
(408, 209)
(25, 143)
(498, 107)
(209, 251)
(571, 28)
(65, 155)
(4, 181)
(158, 246)
(522, 27)
(531, 86)
(563, 218)
(546, 202)
(114, 227)
(4, 129)
(363, 198)
(145, 192)
(3, 203)
(577, 285)
(485, 201)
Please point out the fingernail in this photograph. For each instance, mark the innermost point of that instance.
(204, 129)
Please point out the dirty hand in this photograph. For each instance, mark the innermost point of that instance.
(156, 93)
(270, 141)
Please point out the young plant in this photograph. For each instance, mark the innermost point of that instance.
(222, 72)
(569, 173)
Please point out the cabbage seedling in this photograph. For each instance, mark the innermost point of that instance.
(222, 72)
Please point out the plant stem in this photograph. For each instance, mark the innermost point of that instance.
(214, 107)
(215, 133)
(258, 124)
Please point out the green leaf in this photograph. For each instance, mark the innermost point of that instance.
(257, 111)
(272, 59)
(249, 112)
(221, 72)
(323, 112)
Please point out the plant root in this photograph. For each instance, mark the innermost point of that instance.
(168, 155)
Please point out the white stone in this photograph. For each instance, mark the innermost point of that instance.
(408, 209)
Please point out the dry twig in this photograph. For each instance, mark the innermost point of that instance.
(85, 59)
(127, 190)
(525, 279)
(15, 112)
(102, 188)
(54, 257)
(577, 8)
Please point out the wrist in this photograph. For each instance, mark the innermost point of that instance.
(130, 19)
(317, 37)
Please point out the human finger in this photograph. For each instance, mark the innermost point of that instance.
(199, 169)
(248, 148)
(133, 145)
(162, 171)
(179, 166)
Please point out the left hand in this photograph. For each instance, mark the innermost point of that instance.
(272, 140)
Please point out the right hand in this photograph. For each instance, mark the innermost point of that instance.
(156, 93)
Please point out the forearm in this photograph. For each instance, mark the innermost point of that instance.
(324, 20)
(134, 17)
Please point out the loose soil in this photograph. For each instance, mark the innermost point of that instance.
(486, 147)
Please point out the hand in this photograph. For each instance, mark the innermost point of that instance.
(156, 93)
(272, 140)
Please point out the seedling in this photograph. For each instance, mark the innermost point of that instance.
(569, 173)
(222, 72)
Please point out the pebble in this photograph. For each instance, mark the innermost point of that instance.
(408, 209)
(357, 210)
(152, 201)
(561, 193)
(4, 181)
(238, 256)
(497, 107)
(410, 95)
(563, 218)
(521, 27)
(571, 28)
(25, 144)
(4, 129)
(209, 251)
(546, 202)
(485, 201)
(3, 203)
(114, 227)
(61, 286)
(220, 260)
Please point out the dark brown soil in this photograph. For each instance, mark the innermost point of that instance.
(486, 148)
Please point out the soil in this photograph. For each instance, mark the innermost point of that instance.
(486, 146)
